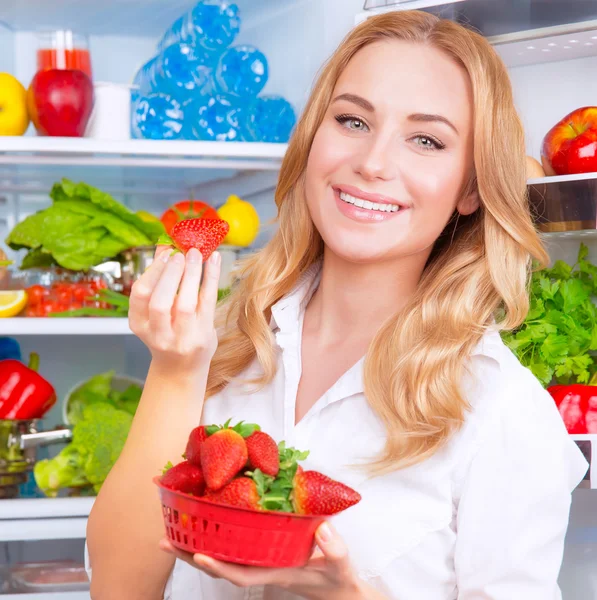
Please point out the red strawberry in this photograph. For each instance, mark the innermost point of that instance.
(193, 449)
(263, 453)
(223, 455)
(316, 494)
(241, 492)
(204, 234)
(184, 477)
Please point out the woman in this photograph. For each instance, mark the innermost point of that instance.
(366, 332)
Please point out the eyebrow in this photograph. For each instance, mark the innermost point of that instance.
(425, 118)
(417, 117)
(358, 100)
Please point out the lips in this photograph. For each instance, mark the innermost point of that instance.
(359, 194)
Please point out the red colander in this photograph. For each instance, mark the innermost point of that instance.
(238, 535)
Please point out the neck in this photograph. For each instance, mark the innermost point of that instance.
(353, 300)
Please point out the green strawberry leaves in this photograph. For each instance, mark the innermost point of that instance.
(167, 467)
(275, 492)
(242, 428)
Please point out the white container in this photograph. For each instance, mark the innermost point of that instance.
(111, 116)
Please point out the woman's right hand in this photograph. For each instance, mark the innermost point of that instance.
(178, 328)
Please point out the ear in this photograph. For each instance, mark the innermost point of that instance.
(469, 204)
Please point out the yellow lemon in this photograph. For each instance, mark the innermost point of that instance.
(12, 302)
(14, 118)
(243, 220)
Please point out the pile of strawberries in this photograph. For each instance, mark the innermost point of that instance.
(243, 466)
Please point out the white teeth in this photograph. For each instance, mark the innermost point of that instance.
(381, 207)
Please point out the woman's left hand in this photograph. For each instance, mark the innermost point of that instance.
(327, 576)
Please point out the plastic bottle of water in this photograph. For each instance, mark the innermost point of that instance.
(157, 116)
(181, 70)
(269, 119)
(241, 71)
(215, 118)
(212, 24)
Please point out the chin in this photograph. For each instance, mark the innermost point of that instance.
(356, 254)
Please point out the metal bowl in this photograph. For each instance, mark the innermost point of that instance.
(19, 440)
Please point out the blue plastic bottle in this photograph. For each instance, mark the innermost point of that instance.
(269, 119)
(212, 24)
(216, 118)
(180, 70)
(157, 116)
(241, 71)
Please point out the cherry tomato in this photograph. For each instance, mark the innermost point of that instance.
(64, 297)
(35, 294)
(33, 311)
(82, 292)
(51, 307)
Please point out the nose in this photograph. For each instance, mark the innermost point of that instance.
(378, 159)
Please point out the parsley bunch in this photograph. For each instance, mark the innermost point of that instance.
(559, 335)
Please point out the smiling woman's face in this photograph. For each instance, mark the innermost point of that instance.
(392, 154)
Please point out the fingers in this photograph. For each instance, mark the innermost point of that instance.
(159, 250)
(143, 289)
(187, 557)
(334, 550)
(188, 294)
(164, 294)
(208, 297)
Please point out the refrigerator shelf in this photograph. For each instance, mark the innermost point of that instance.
(65, 326)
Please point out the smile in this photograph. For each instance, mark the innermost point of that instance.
(365, 204)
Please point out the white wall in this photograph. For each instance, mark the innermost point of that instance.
(546, 93)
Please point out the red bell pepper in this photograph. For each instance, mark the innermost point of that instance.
(24, 393)
(577, 404)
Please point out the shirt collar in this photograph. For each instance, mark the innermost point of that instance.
(287, 312)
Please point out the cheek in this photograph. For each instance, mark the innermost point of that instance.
(328, 154)
(435, 187)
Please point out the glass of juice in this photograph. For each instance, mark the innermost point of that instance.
(63, 49)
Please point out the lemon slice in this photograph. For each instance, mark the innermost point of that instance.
(12, 302)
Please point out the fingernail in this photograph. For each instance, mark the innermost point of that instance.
(193, 256)
(325, 533)
(215, 258)
(165, 256)
(178, 258)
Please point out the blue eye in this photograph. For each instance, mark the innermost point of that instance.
(352, 123)
(426, 142)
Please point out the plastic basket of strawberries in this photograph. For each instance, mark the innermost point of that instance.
(240, 497)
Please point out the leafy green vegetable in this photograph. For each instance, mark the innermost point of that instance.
(559, 335)
(82, 228)
(98, 389)
(98, 439)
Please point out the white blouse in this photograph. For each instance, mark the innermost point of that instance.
(483, 519)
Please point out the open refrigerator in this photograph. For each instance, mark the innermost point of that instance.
(550, 47)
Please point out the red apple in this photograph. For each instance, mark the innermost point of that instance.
(60, 102)
(571, 145)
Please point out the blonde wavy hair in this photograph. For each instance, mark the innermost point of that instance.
(479, 266)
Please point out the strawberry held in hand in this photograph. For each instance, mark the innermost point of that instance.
(316, 494)
(204, 234)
